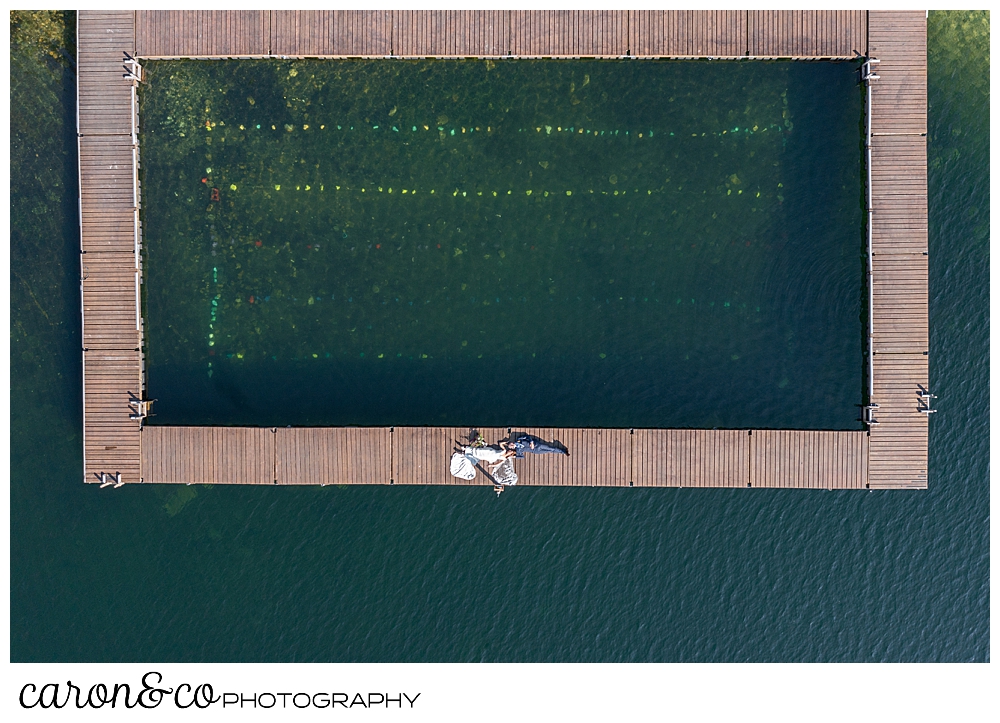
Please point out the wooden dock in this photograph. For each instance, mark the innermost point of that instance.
(419, 456)
(898, 444)
(118, 449)
(110, 270)
(500, 33)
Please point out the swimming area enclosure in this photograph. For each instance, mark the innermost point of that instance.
(609, 456)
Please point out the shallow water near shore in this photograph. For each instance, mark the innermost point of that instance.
(451, 574)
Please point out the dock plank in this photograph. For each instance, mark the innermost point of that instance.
(898, 451)
(807, 33)
(688, 33)
(331, 33)
(569, 33)
(333, 455)
(451, 33)
(202, 33)
(808, 459)
(207, 455)
(691, 458)
(111, 439)
(899, 98)
(899, 193)
(104, 97)
(900, 298)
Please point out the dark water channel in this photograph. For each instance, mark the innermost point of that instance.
(584, 243)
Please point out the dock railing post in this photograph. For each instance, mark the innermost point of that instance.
(79, 206)
(133, 72)
(868, 76)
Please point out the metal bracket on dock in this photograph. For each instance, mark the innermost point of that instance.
(133, 70)
(867, 73)
(141, 407)
(108, 480)
(924, 406)
(867, 76)
(869, 412)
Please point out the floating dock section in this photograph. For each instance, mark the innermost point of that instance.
(119, 449)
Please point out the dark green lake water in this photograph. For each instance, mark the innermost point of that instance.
(616, 243)
(217, 574)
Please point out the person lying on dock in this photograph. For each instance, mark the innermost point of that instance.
(502, 474)
(493, 455)
(521, 442)
(498, 457)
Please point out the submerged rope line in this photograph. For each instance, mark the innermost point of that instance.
(678, 301)
(488, 194)
(213, 316)
(453, 131)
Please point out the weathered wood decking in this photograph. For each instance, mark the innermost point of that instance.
(500, 33)
(898, 444)
(892, 454)
(419, 455)
(109, 259)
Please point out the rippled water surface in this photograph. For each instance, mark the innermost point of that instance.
(218, 574)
